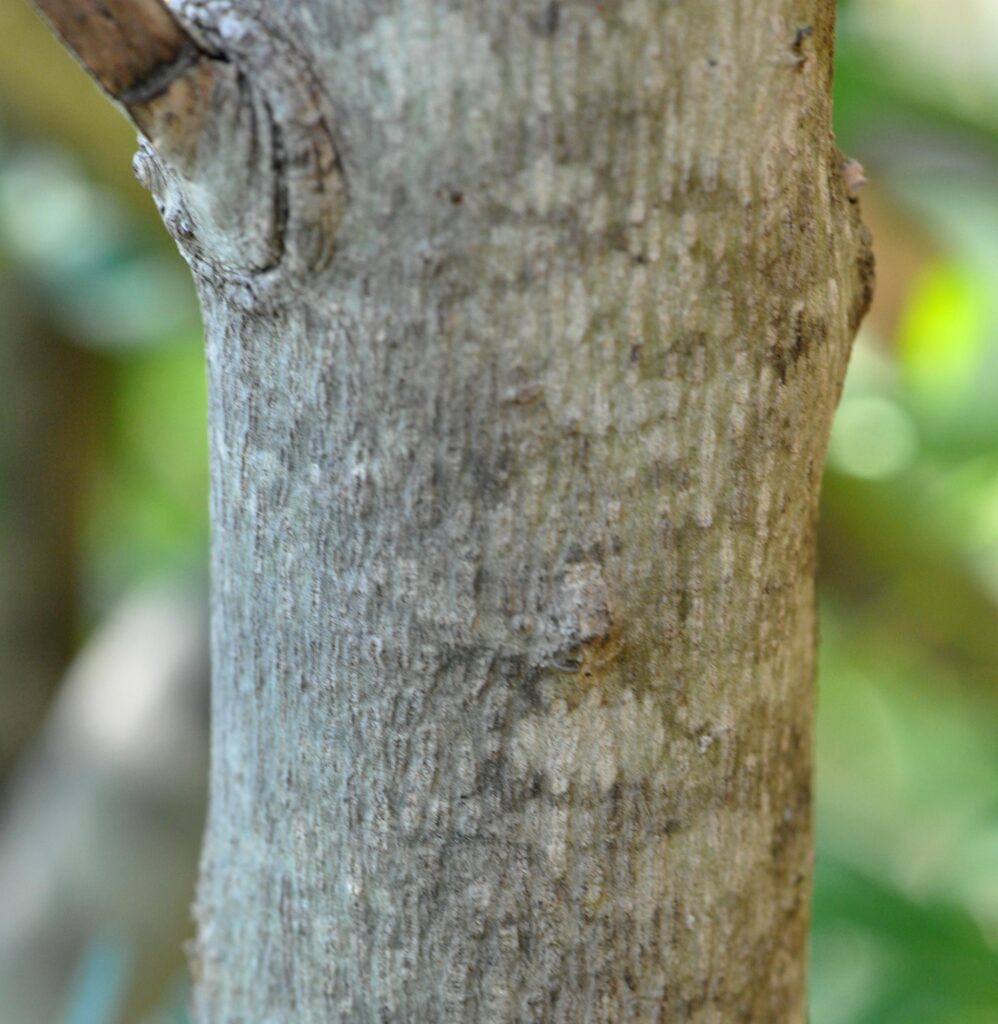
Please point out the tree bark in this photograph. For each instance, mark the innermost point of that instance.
(525, 324)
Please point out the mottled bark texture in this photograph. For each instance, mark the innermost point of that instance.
(525, 323)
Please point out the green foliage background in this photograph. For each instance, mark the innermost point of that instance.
(906, 902)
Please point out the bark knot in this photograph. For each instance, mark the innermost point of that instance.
(238, 151)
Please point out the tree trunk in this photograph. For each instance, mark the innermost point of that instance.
(525, 324)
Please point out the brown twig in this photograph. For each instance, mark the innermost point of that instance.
(135, 49)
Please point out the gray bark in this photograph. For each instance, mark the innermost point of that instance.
(525, 324)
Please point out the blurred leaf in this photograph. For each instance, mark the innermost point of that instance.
(174, 1008)
(894, 960)
(959, 203)
(916, 59)
(140, 301)
(873, 438)
(150, 505)
(907, 772)
(103, 278)
(97, 993)
(942, 330)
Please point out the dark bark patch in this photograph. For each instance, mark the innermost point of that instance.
(804, 333)
(797, 48)
(865, 276)
(547, 22)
